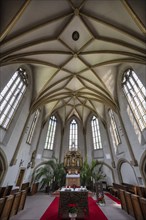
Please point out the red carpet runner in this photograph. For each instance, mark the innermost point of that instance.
(113, 198)
(94, 211)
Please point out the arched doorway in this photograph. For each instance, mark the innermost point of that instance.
(3, 165)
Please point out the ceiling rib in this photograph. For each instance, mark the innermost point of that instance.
(14, 20)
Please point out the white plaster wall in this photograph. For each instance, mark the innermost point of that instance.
(10, 138)
(137, 139)
(128, 174)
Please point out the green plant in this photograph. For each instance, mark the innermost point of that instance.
(91, 171)
(72, 208)
(44, 175)
(51, 173)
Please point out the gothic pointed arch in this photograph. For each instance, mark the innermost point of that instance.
(3, 165)
(142, 167)
(128, 170)
(110, 168)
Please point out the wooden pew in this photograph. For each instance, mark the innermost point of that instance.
(34, 188)
(7, 207)
(143, 191)
(2, 202)
(143, 206)
(123, 200)
(137, 207)
(22, 199)
(15, 204)
(2, 191)
(116, 188)
(131, 188)
(129, 203)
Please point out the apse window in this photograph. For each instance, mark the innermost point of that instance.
(96, 133)
(33, 126)
(11, 96)
(135, 93)
(73, 135)
(51, 133)
(114, 129)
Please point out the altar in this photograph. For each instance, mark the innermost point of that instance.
(72, 179)
(73, 163)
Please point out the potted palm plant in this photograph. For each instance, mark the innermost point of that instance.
(90, 172)
(51, 174)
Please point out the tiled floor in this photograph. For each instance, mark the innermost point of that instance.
(36, 205)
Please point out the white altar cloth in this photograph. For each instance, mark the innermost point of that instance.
(72, 175)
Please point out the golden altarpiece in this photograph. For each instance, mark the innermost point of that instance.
(73, 163)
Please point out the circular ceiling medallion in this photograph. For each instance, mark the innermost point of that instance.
(75, 35)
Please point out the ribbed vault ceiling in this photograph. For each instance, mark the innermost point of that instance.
(73, 77)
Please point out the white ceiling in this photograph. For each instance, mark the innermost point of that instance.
(73, 77)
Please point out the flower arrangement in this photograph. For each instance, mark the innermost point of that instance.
(72, 208)
(101, 199)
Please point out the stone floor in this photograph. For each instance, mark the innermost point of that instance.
(36, 205)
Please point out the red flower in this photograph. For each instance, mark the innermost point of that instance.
(72, 205)
(72, 208)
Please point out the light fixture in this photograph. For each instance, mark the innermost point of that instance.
(75, 35)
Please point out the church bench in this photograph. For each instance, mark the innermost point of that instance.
(123, 200)
(143, 206)
(7, 207)
(22, 200)
(34, 188)
(2, 202)
(15, 204)
(115, 189)
(130, 209)
(131, 188)
(137, 207)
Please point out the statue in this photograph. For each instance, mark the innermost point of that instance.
(73, 161)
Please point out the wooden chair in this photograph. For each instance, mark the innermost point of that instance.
(7, 207)
(15, 205)
(22, 200)
(143, 206)
(73, 197)
(2, 202)
(137, 207)
(123, 200)
(129, 203)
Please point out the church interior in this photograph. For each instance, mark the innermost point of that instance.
(72, 107)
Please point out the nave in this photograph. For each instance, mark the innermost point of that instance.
(37, 204)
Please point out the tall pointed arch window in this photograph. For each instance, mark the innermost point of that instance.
(73, 135)
(11, 96)
(96, 133)
(135, 93)
(33, 126)
(114, 129)
(51, 133)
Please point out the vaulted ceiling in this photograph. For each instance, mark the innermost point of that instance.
(73, 76)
